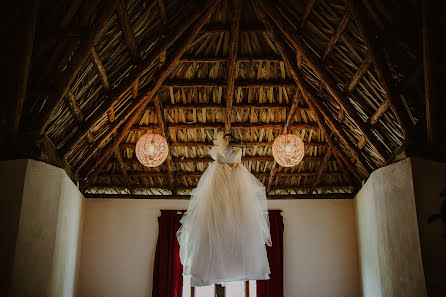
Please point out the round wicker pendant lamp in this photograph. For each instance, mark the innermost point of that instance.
(288, 150)
(151, 149)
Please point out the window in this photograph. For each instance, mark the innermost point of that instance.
(233, 289)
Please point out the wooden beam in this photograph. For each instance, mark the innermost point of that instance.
(124, 171)
(205, 144)
(431, 106)
(216, 28)
(379, 113)
(76, 63)
(25, 48)
(100, 69)
(330, 84)
(237, 84)
(358, 75)
(158, 80)
(321, 170)
(234, 106)
(187, 197)
(316, 108)
(232, 66)
(162, 9)
(114, 95)
(163, 126)
(307, 11)
(209, 125)
(127, 31)
(335, 37)
(240, 59)
(208, 159)
(77, 113)
(384, 75)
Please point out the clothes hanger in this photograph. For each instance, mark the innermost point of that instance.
(241, 145)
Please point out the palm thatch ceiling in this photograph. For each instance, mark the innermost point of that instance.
(103, 73)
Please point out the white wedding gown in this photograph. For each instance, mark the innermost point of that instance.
(226, 227)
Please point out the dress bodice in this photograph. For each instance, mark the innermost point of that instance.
(226, 154)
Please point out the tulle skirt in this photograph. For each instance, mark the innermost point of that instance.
(226, 227)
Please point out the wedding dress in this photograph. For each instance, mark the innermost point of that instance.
(226, 227)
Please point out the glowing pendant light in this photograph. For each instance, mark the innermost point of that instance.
(288, 150)
(151, 149)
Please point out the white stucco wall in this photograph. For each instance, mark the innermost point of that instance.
(391, 263)
(118, 247)
(48, 238)
(429, 182)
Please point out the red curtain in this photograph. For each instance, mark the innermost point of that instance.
(274, 286)
(167, 270)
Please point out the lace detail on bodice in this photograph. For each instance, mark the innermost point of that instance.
(226, 154)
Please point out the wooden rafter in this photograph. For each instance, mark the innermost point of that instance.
(162, 9)
(234, 106)
(358, 75)
(244, 158)
(127, 31)
(100, 69)
(369, 35)
(217, 28)
(221, 84)
(25, 48)
(232, 66)
(77, 113)
(308, 9)
(158, 81)
(206, 144)
(163, 126)
(330, 84)
(431, 108)
(115, 94)
(124, 171)
(209, 125)
(75, 64)
(240, 59)
(321, 169)
(307, 93)
(335, 37)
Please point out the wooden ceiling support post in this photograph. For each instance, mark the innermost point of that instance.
(320, 170)
(232, 67)
(127, 31)
(124, 171)
(288, 123)
(77, 113)
(306, 91)
(432, 111)
(307, 11)
(163, 126)
(115, 94)
(75, 64)
(377, 56)
(335, 37)
(20, 76)
(158, 80)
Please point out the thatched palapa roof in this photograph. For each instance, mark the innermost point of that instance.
(103, 73)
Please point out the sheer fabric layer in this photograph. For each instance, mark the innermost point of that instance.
(225, 229)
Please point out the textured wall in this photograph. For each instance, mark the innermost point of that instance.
(389, 245)
(430, 181)
(118, 247)
(48, 237)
